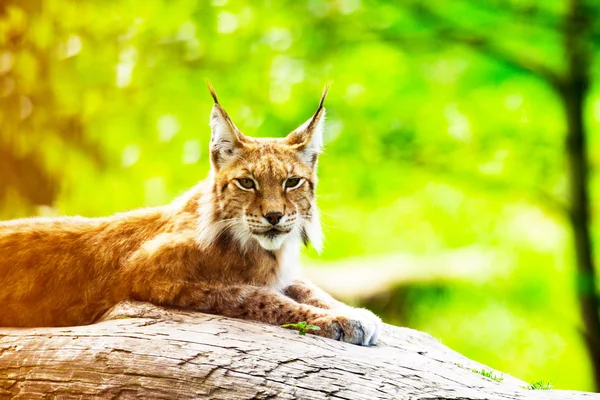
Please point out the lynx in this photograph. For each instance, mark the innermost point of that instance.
(228, 246)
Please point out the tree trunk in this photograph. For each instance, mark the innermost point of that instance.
(573, 93)
(147, 352)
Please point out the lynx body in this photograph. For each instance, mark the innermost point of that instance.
(228, 246)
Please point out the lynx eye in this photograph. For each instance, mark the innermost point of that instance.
(246, 183)
(293, 183)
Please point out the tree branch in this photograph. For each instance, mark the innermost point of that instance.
(447, 31)
(531, 13)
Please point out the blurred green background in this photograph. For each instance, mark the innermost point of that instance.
(445, 184)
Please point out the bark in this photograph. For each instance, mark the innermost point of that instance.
(573, 93)
(143, 351)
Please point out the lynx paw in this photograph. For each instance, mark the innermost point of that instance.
(373, 320)
(352, 325)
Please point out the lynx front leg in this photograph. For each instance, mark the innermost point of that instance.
(247, 302)
(306, 292)
(260, 304)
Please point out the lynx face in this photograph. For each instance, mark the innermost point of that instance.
(265, 187)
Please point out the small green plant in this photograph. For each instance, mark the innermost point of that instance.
(489, 374)
(483, 372)
(302, 327)
(539, 385)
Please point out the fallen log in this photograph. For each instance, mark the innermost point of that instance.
(141, 351)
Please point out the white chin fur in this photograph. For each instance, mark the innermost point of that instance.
(271, 244)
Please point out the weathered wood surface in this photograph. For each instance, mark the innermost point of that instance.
(146, 352)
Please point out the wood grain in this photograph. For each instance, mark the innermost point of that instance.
(140, 351)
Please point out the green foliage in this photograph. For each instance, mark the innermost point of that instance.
(302, 327)
(439, 157)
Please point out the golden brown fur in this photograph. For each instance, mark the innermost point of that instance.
(228, 246)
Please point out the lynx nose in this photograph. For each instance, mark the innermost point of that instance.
(273, 217)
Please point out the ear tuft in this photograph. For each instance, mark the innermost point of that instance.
(324, 95)
(211, 90)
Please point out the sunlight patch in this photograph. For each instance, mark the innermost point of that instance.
(227, 22)
(168, 126)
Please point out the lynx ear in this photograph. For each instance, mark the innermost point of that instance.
(225, 138)
(308, 137)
